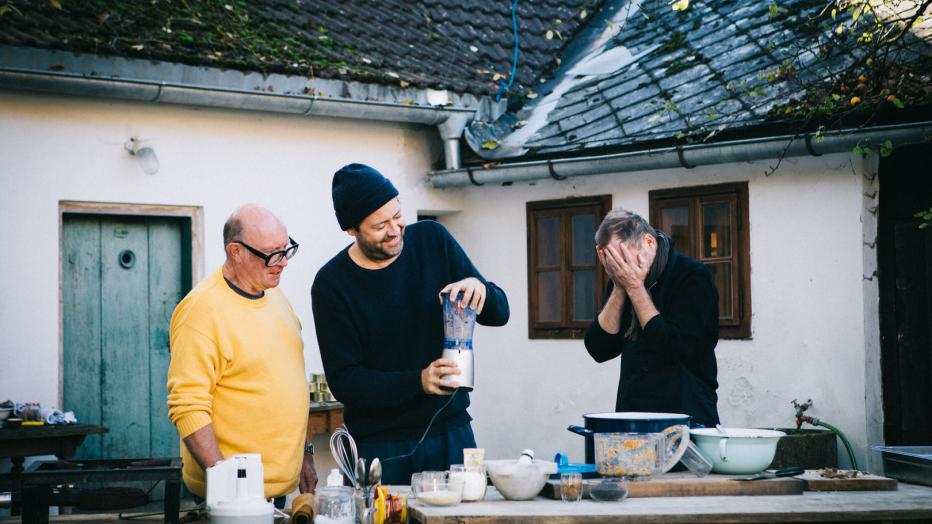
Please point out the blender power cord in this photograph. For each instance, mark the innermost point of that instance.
(426, 431)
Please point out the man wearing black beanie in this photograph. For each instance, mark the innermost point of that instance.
(379, 326)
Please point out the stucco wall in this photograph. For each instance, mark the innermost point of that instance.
(806, 253)
(54, 149)
(806, 269)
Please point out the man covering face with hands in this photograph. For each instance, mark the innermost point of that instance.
(661, 316)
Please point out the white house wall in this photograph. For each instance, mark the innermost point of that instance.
(806, 253)
(54, 149)
(806, 275)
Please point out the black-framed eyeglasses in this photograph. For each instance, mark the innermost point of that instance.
(272, 259)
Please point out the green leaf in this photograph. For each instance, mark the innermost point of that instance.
(886, 149)
(774, 10)
(899, 103)
(857, 150)
(490, 144)
(680, 5)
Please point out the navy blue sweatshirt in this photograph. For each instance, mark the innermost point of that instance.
(377, 329)
(671, 367)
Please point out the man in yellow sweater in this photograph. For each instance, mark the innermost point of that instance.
(236, 379)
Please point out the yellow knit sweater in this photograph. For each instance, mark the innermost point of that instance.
(238, 364)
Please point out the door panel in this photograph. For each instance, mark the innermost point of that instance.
(122, 278)
(124, 358)
(81, 323)
(905, 283)
(166, 273)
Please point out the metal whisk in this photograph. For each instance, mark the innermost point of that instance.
(343, 448)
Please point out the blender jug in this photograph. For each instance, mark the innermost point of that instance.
(458, 324)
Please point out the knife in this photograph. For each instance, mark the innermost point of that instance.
(785, 472)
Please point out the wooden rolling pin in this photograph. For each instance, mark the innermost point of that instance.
(302, 509)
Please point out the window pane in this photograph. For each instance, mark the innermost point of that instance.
(583, 295)
(674, 221)
(716, 229)
(549, 296)
(584, 239)
(721, 272)
(548, 241)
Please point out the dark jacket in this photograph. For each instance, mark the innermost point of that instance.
(671, 366)
(377, 329)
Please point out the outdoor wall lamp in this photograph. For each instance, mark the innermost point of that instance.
(145, 156)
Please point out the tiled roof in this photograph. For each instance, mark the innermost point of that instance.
(716, 67)
(461, 45)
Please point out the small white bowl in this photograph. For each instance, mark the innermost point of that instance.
(740, 451)
(5, 413)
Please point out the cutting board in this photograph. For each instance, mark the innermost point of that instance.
(863, 482)
(685, 484)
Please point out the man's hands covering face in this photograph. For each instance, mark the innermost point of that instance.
(627, 270)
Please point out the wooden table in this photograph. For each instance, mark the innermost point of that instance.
(908, 502)
(60, 440)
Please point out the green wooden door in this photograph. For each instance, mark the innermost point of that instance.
(121, 279)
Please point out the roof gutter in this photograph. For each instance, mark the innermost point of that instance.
(450, 120)
(688, 156)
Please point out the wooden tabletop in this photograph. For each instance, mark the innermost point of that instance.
(908, 502)
(47, 439)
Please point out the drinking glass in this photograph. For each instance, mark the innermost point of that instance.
(430, 476)
(571, 487)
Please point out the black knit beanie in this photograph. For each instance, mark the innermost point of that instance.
(358, 190)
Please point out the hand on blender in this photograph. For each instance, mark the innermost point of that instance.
(473, 291)
(432, 377)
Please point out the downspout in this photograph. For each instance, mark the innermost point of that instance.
(745, 150)
(450, 121)
(451, 130)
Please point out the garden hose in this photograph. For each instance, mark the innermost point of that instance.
(826, 425)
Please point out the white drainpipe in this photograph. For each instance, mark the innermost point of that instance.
(688, 156)
(450, 121)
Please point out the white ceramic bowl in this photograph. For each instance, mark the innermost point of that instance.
(517, 481)
(741, 451)
(5, 413)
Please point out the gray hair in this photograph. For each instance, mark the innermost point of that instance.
(232, 229)
(624, 224)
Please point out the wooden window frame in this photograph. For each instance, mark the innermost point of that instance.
(693, 197)
(566, 328)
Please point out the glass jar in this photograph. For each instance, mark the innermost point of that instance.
(474, 481)
(334, 505)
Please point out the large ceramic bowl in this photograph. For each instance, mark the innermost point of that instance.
(739, 451)
(517, 481)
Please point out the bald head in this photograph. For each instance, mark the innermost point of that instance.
(251, 236)
(250, 221)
